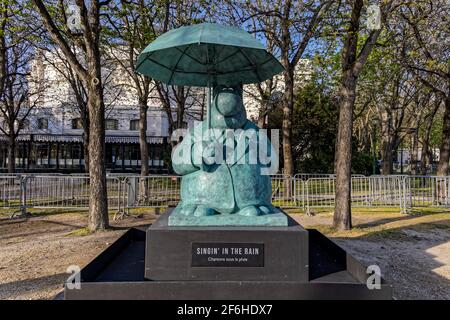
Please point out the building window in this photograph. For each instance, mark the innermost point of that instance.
(24, 124)
(42, 123)
(77, 123)
(111, 124)
(134, 124)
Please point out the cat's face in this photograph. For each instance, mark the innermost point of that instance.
(228, 108)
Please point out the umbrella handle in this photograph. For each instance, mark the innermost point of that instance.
(208, 108)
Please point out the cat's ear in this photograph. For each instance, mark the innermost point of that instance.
(239, 88)
(217, 89)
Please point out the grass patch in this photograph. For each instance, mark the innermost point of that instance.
(80, 232)
(369, 223)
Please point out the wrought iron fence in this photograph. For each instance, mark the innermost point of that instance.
(306, 191)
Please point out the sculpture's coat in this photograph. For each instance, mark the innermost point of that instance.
(232, 186)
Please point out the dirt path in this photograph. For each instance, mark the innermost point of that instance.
(35, 253)
(412, 251)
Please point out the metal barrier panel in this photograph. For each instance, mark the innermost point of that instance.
(365, 192)
(306, 176)
(360, 191)
(164, 191)
(286, 191)
(320, 192)
(134, 191)
(10, 191)
(299, 192)
(57, 191)
(386, 191)
(426, 191)
(66, 191)
(114, 190)
(152, 191)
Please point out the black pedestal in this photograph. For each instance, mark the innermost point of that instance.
(133, 266)
(226, 253)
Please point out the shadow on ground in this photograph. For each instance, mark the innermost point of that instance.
(414, 256)
(23, 287)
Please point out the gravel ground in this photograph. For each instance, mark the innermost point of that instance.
(36, 252)
(413, 252)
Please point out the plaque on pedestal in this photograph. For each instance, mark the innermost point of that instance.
(226, 253)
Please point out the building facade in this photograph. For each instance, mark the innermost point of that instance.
(52, 136)
(53, 140)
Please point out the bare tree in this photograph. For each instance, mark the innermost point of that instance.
(90, 74)
(352, 64)
(427, 25)
(76, 102)
(16, 86)
(135, 24)
(288, 26)
(180, 101)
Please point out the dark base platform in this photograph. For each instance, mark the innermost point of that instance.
(119, 273)
(253, 253)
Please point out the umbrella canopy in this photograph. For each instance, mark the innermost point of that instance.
(207, 54)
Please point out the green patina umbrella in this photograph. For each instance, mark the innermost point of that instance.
(207, 54)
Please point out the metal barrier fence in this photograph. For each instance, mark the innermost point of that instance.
(11, 192)
(152, 191)
(426, 191)
(67, 192)
(21, 192)
(307, 176)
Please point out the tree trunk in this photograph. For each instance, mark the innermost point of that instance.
(415, 151)
(427, 153)
(11, 154)
(386, 143)
(84, 113)
(430, 156)
(143, 138)
(352, 64)
(86, 155)
(262, 113)
(387, 164)
(91, 75)
(342, 215)
(288, 164)
(387, 156)
(444, 152)
(261, 121)
(98, 202)
(144, 150)
(423, 159)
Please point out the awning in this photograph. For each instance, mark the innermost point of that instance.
(79, 138)
(22, 137)
(132, 139)
(57, 138)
